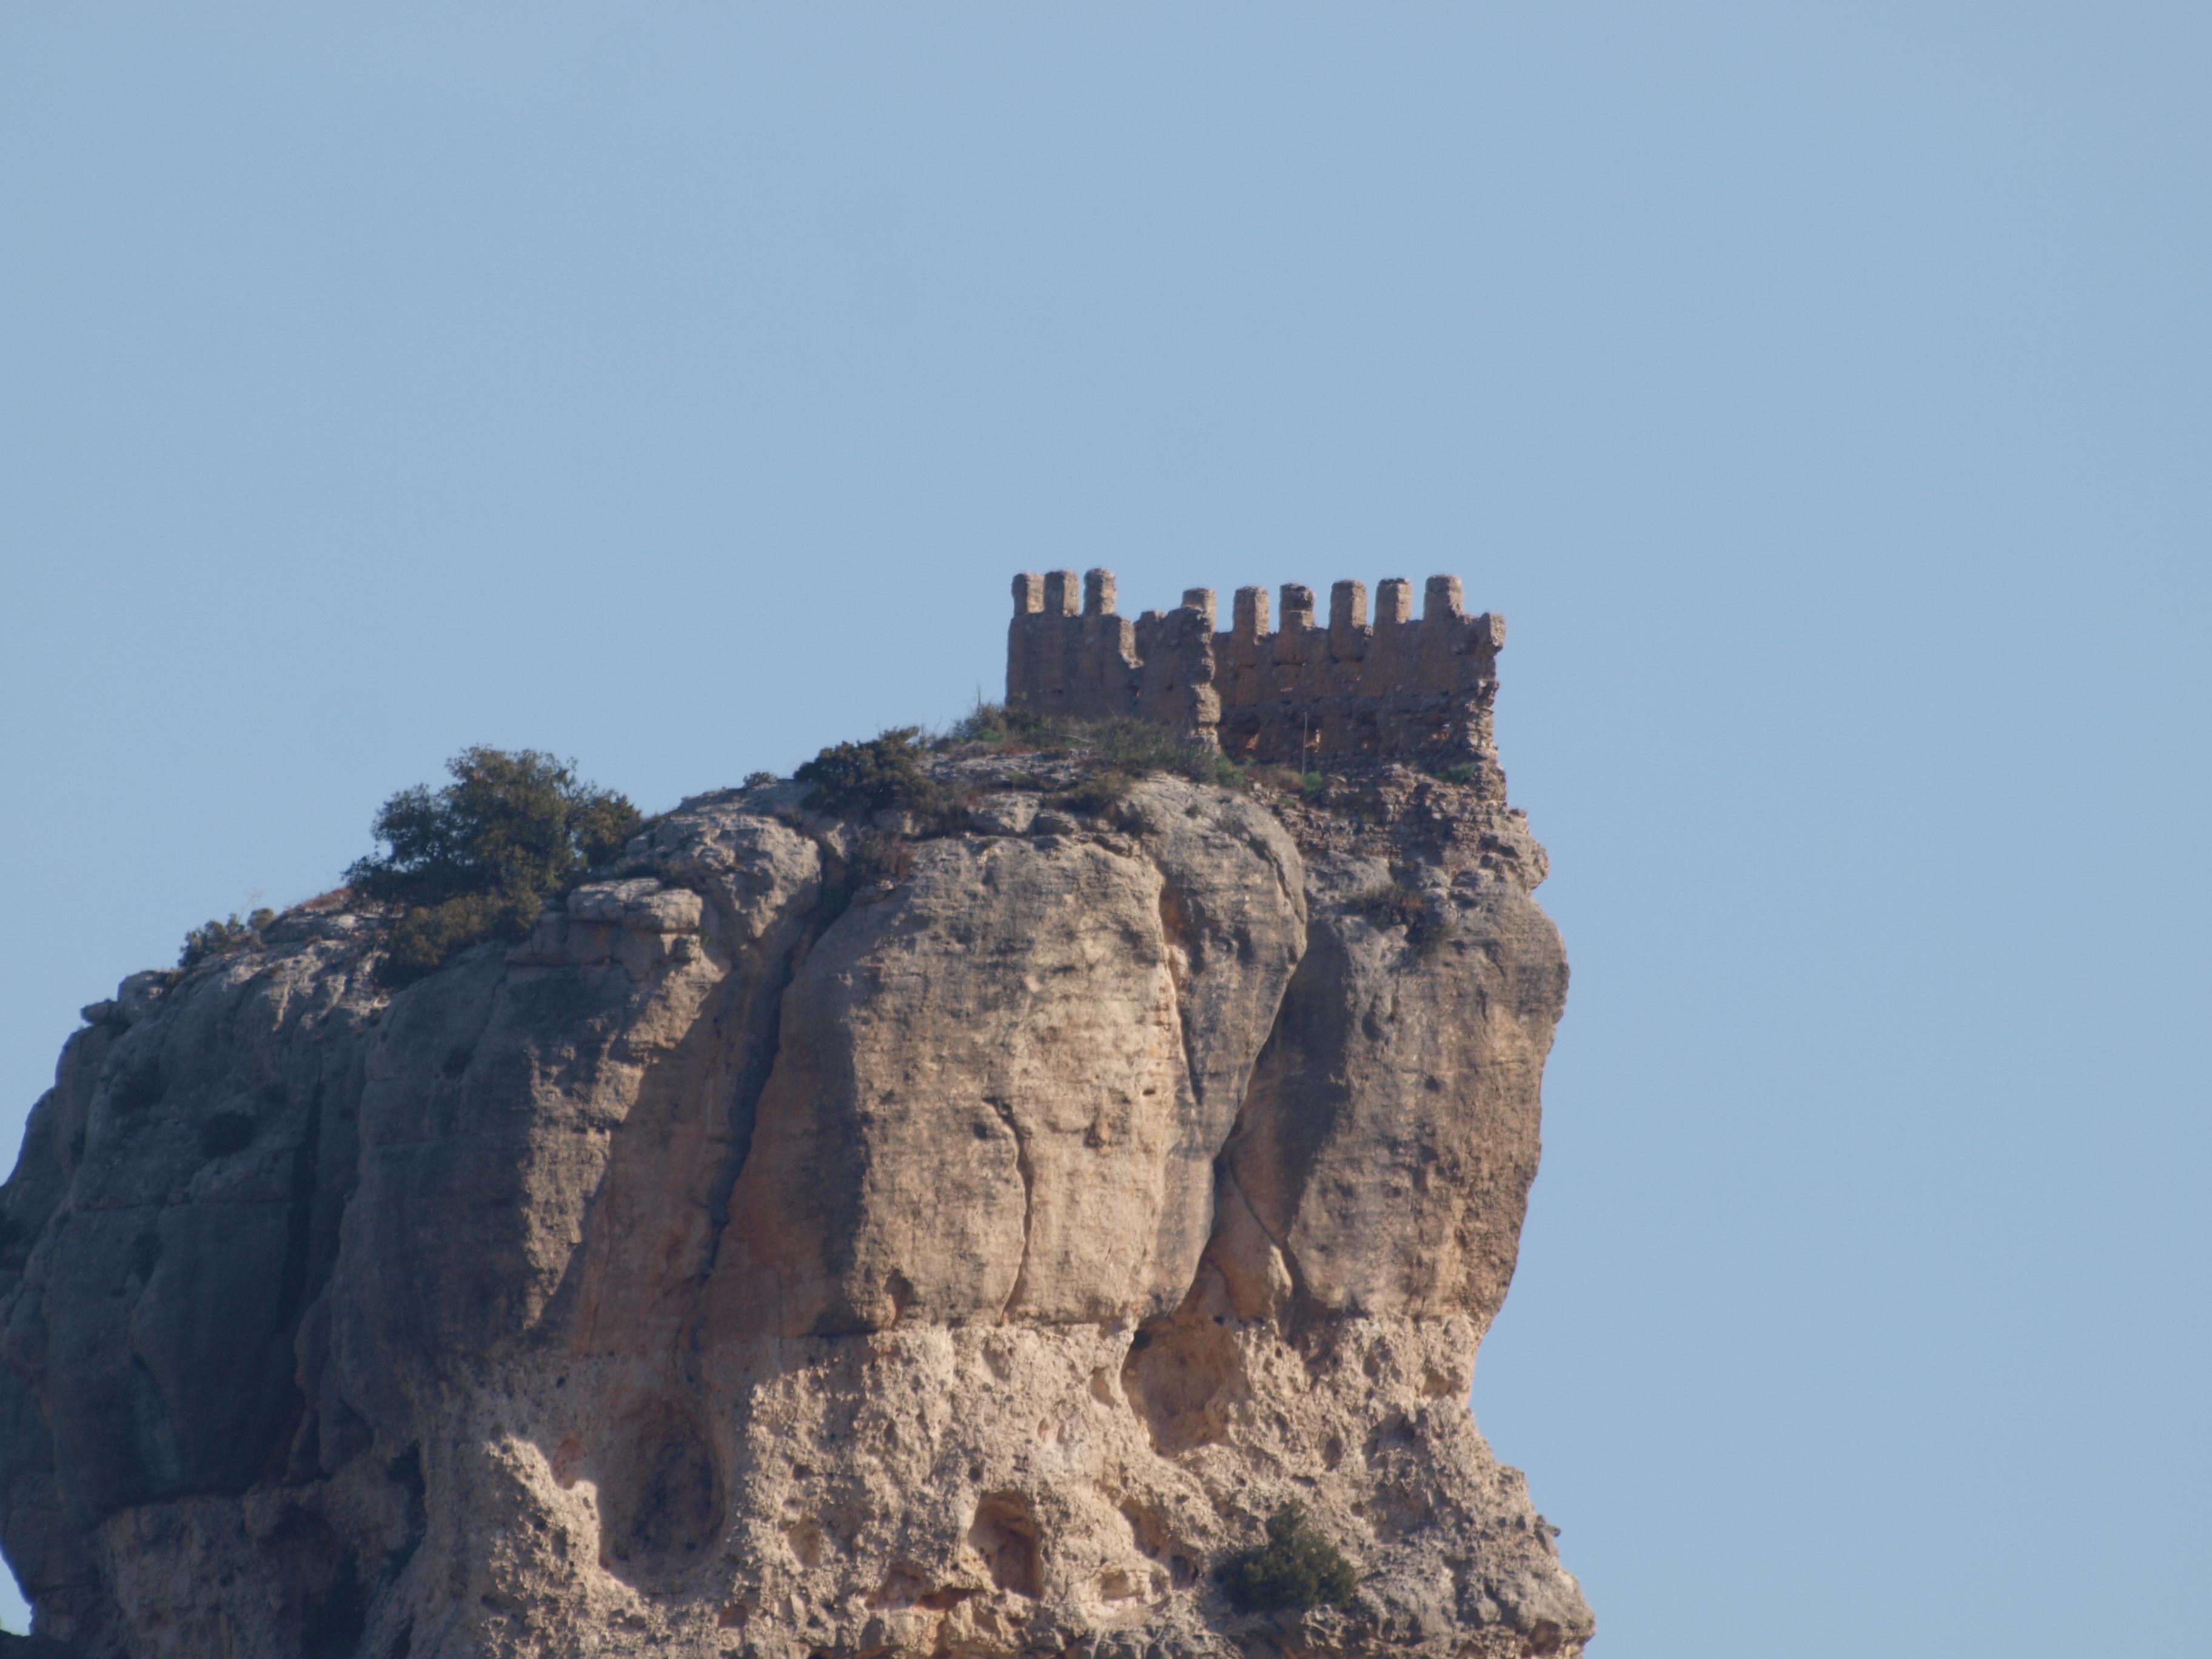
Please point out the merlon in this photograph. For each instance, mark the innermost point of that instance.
(1393, 688)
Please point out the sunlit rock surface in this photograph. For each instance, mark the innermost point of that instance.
(757, 1262)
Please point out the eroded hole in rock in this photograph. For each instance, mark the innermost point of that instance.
(1392, 1432)
(1148, 1531)
(138, 1088)
(333, 1620)
(1005, 1535)
(568, 1459)
(805, 1538)
(902, 1586)
(1177, 1374)
(225, 1132)
(660, 1498)
(907, 1585)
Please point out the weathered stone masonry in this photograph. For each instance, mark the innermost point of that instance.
(1395, 688)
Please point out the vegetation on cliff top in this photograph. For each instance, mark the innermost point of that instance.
(477, 859)
(1123, 749)
(218, 938)
(1131, 747)
(884, 773)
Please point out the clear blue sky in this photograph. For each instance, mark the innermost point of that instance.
(1822, 390)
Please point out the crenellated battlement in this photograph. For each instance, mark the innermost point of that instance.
(1392, 687)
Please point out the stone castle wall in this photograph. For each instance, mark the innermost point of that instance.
(1396, 688)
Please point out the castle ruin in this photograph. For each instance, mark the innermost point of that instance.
(1302, 695)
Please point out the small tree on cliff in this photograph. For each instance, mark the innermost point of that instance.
(866, 777)
(1299, 1566)
(477, 859)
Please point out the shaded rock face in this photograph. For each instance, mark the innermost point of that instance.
(762, 1260)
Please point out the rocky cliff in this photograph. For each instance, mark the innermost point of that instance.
(802, 1247)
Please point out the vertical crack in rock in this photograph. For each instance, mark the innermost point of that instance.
(292, 1287)
(738, 1114)
(1290, 1261)
(1174, 935)
(299, 1221)
(759, 1012)
(1006, 1111)
(743, 1112)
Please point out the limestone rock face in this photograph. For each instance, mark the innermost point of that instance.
(1001, 1086)
(776, 1256)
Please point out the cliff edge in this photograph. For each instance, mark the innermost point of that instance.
(825, 1234)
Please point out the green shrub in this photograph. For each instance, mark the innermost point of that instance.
(430, 935)
(220, 938)
(987, 723)
(1134, 746)
(1288, 779)
(479, 859)
(761, 779)
(884, 773)
(1011, 731)
(1459, 772)
(1296, 1567)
